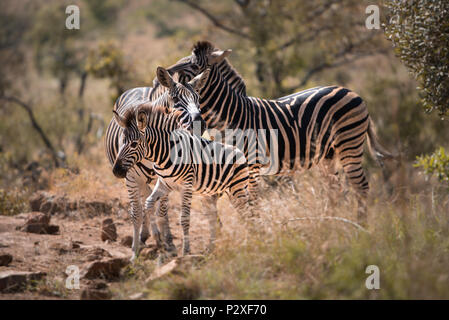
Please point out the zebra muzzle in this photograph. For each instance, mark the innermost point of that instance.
(119, 171)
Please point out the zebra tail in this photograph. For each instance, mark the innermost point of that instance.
(378, 152)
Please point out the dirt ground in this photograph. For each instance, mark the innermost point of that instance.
(78, 244)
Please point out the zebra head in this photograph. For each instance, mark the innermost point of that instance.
(185, 98)
(204, 55)
(133, 145)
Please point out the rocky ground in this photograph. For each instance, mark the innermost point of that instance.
(39, 250)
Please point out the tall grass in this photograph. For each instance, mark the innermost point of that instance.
(407, 238)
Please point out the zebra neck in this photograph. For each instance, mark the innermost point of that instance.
(231, 76)
(158, 135)
(162, 99)
(221, 105)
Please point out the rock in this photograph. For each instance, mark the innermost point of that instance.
(52, 229)
(76, 244)
(96, 290)
(176, 266)
(95, 294)
(36, 200)
(108, 230)
(38, 218)
(164, 270)
(97, 253)
(137, 296)
(38, 222)
(97, 284)
(5, 259)
(104, 269)
(127, 241)
(14, 281)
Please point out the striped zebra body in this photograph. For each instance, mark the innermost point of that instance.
(141, 175)
(327, 124)
(181, 165)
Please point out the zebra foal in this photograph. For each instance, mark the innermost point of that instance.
(172, 96)
(187, 163)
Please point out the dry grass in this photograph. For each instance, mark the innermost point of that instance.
(312, 259)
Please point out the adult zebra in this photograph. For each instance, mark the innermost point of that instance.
(142, 174)
(182, 161)
(320, 125)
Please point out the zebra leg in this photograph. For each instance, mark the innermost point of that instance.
(329, 170)
(212, 216)
(159, 191)
(253, 184)
(164, 226)
(240, 201)
(185, 215)
(145, 232)
(357, 178)
(132, 186)
(239, 197)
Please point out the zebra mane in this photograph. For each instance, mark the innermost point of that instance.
(202, 47)
(234, 79)
(158, 116)
(130, 116)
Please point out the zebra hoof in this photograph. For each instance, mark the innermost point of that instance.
(144, 237)
(172, 252)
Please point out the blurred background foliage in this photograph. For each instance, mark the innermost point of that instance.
(58, 86)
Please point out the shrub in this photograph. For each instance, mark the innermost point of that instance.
(419, 31)
(436, 163)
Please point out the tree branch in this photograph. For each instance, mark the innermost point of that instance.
(35, 125)
(213, 19)
(312, 16)
(341, 54)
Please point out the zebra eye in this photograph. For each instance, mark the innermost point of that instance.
(175, 99)
(134, 144)
(195, 67)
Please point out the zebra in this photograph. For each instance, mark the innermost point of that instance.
(325, 125)
(171, 95)
(180, 163)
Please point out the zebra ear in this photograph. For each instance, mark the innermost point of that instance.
(218, 56)
(119, 119)
(142, 120)
(200, 80)
(164, 77)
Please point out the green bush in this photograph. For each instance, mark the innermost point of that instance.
(436, 163)
(419, 31)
